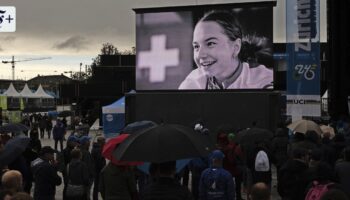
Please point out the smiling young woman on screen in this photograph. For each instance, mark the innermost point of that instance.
(225, 58)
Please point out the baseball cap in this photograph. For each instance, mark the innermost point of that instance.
(84, 139)
(217, 154)
(72, 138)
(47, 149)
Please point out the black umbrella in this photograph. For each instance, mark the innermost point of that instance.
(12, 149)
(65, 113)
(253, 136)
(163, 143)
(137, 126)
(14, 128)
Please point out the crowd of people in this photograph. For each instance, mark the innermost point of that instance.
(308, 165)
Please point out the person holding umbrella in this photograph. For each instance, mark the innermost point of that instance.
(117, 182)
(165, 185)
(117, 178)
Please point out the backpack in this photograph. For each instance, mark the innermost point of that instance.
(317, 190)
(262, 163)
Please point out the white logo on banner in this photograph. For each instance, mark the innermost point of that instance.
(308, 71)
(304, 105)
(158, 58)
(109, 117)
(7, 19)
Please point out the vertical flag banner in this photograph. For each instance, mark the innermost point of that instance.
(3, 102)
(303, 50)
(21, 104)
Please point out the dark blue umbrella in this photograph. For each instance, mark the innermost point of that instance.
(13, 128)
(137, 126)
(13, 148)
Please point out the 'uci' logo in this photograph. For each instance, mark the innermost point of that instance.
(7, 19)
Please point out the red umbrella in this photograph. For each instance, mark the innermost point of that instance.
(109, 147)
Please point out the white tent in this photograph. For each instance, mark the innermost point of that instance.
(325, 95)
(26, 92)
(11, 92)
(40, 93)
(324, 101)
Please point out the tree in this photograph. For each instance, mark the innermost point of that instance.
(129, 52)
(110, 49)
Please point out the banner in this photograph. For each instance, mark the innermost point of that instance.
(21, 104)
(3, 102)
(303, 60)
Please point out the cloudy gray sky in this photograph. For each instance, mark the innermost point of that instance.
(72, 31)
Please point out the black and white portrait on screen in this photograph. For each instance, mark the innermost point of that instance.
(171, 54)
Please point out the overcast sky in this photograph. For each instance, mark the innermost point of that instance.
(72, 31)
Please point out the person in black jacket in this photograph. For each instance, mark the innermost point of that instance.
(78, 175)
(293, 175)
(99, 163)
(166, 186)
(279, 147)
(45, 175)
(65, 158)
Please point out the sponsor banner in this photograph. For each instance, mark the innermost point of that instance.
(303, 60)
(304, 105)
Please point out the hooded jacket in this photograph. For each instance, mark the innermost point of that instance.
(45, 178)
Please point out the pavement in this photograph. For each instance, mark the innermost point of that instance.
(59, 189)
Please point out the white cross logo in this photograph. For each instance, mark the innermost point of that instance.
(158, 58)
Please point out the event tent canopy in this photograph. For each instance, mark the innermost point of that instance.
(26, 92)
(114, 118)
(40, 93)
(11, 92)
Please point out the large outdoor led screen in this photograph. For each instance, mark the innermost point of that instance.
(205, 47)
